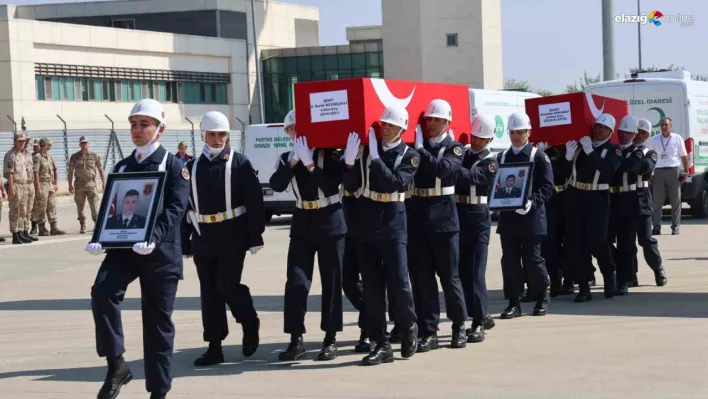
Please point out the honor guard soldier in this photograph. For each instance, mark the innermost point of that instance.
(228, 219)
(83, 165)
(624, 204)
(318, 228)
(15, 172)
(650, 247)
(479, 167)
(157, 263)
(29, 193)
(382, 175)
(434, 228)
(587, 209)
(523, 230)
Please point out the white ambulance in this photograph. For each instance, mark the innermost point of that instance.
(653, 95)
(263, 145)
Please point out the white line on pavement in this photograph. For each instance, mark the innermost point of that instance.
(43, 242)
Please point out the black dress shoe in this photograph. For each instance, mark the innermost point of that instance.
(27, 235)
(213, 355)
(593, 281)
(512, 311)
(251, 338)
(660, 277)
(382, 353)
(634, 283)
(556, 291)
(656, 232)
(584, 295)
(25, 240)
(409, 343)
(541, 308)
(488, 323)
(675, 231)
(428, 343)
(395, 335)
(16, 239)
(528, 297)
(295, 350)
(118, 375)
(476, 333)
(610, 285)
(568, 287)
(622, 289)
(459, 336)
(157, 396)
(329, 351)
(2, 239)
(364, 344)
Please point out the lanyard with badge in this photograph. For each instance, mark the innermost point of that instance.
(663, 153)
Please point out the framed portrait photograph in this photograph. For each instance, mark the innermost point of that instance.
(128, 209)
(511, 188)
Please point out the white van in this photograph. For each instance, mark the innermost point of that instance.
(263, 145)
(653, 95)
(498, 104)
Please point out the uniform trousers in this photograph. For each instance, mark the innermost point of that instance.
(552, 249)
(518, 249)
(18, 209)
(351, 282)
(29, 194)
(158, 290)
(623, 230)
(82, 193)
(45, 204)
(474, 249)
(384, 267)
(219, 274)
(301, 264)
(430, 254)
(649, 244)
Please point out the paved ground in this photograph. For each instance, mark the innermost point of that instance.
(650, 344)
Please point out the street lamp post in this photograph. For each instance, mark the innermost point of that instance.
(608, 41)
(258, 63)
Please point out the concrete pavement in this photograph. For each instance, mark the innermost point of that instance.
(650, 344)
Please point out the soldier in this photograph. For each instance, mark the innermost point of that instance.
(157, 263)
(45, 184)
(28, 192)
(84, 164)
(650, 246)
(476, 174)
(588, 206)
(227, 219)
(15, 172)
(383, 174)
(3, 195)
(433, 230)
(318, 227)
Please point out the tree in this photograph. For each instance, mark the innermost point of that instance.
(522, 85)
(671, 67)
(544, 93)
(585, 80)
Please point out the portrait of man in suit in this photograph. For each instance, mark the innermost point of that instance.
(127, 219)
(508, 191)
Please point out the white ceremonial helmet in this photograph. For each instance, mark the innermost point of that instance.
(289, 119)
(439, 109)
(645, 125)
(483, 127)
(606, 120)
(151, 108)
(214, 121)
(518, 121)
(628, 124)
(396, 116)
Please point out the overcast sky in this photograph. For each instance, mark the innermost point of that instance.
(550, 43)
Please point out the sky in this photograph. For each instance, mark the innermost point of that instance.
(551, 43)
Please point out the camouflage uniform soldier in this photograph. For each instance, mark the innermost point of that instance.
(2, 197)
(45, 183)
(28, 188)
(83, 165)
(15, 173)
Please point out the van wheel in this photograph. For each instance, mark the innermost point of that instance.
(268, 216)
(699, 206)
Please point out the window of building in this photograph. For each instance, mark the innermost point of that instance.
(452, 40)
(123, 23)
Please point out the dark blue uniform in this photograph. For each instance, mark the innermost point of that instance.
(318, 227)
(227, 232)
(382, 233)
(624, 213)
(521, 235)
(553, 250)
(433, 235)
(587, 213)
(473, 180)
(159, 273)
(351, 281)
(650, 246)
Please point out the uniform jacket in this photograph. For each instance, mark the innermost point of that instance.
(382, 220)
(15, 164)
(436, 214)
(535, 221)
(242, 232)
(474, 178)
(84, 167)
(627, 174)
(646, 201)
(604, 159)
(323, 182)
(116, 222)
(166, 259)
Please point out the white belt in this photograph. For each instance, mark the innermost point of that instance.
(385, 197)
(317, 204)
(589, 186)
(620, 189)
(466, 199)
(643, 184)
(433, 192)
(222, 216)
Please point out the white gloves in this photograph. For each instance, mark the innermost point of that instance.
(254, 250)
(542, 146)
(352, 149)
(586, 142)
(143, 248)
(295, 156)
(373, 144)
(94, 248)
(570, 148)
(526, 209)
(451, 134)
(303, 151)
(418, 138)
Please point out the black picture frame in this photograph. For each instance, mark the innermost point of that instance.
(523, 180)
(112, 233)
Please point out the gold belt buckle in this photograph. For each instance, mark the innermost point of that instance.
(215, 218)
(310, 205)
(559, 188)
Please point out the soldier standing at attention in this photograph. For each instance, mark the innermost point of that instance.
(28, 191)
(15, 173)
(84, 165)
(45, 206)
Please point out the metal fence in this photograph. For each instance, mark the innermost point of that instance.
(65, 143)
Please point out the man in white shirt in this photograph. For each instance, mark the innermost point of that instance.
(668, 176)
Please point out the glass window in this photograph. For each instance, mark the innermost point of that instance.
(221, 93)
(372, 59)
(330, 62)
(137, 91)
(452, 40)
(344, 61)
(84, 89)
(319, 75)
(69, 87)
(374, 73)
(78, 90)
(359, 73)
(189, 93)
(209, 93)
(39, 82)
(317, 63)
(276, 65)
(55, 88)
(303, 64)
(161, 92)
(290, 64)
(358, 61)
(48, 88)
